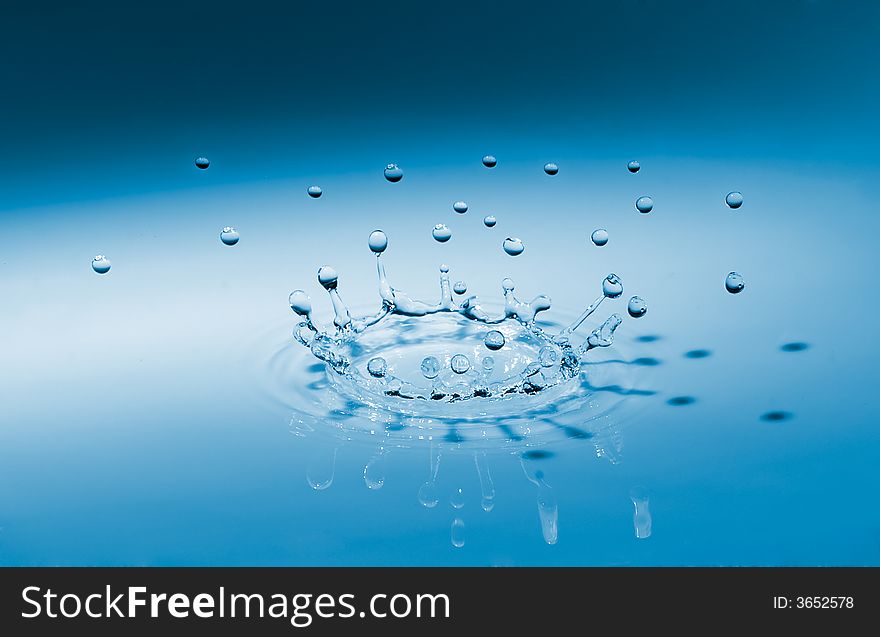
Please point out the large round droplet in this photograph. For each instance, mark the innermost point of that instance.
(489, 161)
(513, 246)
(612, 286)
(494, 340)
(393, 173)
(327, 277)
(442, 233)
(315, 192)
(430, 367)
(202, 162)
(550, 168)
(377, 367)
(460, 363)
(633, 166)
(459, 287)
(460, 207)
(229, 236)
(637, 307)
(489, 221)
(599, 237)
(101, 264)
(457, 533)
(378, 241)
(644, 205)
(734, 283)
(734, 199)
(300, 302)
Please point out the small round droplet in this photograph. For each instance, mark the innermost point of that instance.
(513, 246)
(548, 356)
(489, 161)
(459, 287)
(202, 162)
(377, 367)
(494, 340)
(633, 166)
(101, 264)
(430, 367)
(507, 284)
(300, 302)
(599, 237)
(488, 363)
(327, 277)
(489, 221)
(637, 307)
(550, 168)
(644, 205)
(444, 268)
(393, 173)
(229, 236)
(442, 233)
(734, 199)
(460, 363)
(460, 207)
(378, 241)
(734, 283)
(457, 499)
(611, 286)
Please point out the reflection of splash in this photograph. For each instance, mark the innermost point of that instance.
(641, 512)
(548, 510)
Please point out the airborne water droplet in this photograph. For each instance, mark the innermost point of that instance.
(442, 233)
(734, 283)
(489, 161)
(489, 221)
(430, 367)
(734, 199)
(460, 207)
(494, 340)
(393, 173)
(327, 277)
(637, 307)
(300, 302)
(229, 236)
(315, 192)
(459, 287)
(377, 367)
(611, 286)
(202, 162)
(378, 241)
(460, 363)
(513, 246)
(101, 264)
(633, 166)
(644, 205)
(550, 168)
(599, 237)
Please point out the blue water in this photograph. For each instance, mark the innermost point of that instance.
(155, 415)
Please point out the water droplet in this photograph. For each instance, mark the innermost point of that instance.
(507, 284)
(494, 340)
(393, 173)
(550, 168)
(489, 161)
(457, 499)
(644, 205)
(229, 236)
(488, 363)
(442, 233)
(377, 367)
(458, 533)
(611, 286)
(459, 287)
(513, 246)
(428, 495)
(202, 162)
(300, 302)
(101, 264)
(489, 221)
(548, 356)
(378, 241)
(633, 166)
(430, 367)
(460, 363)
(734, 283)
(444, 268)
(460, 207)
(315, 192)
(599, 237)
(637, 307)
(327, 277)
(734, 199)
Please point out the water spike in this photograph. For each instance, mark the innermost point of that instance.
(445, 289)
(592, 307)
(328, 278)
(602, 336)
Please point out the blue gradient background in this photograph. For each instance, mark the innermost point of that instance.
(134, 426)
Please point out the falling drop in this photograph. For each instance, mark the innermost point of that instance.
(321, 468)
(430, 367)
(442, 233)
(734, 199)
(599, 237)
(494, 340)
(229, 236)
(637, 307)
(377, 367)
(300, 303)
(513, 246)
(633, 166)
(101, 264)
(612, 286)
(489, 161)
(460, 207)
(734, 283)
(457, 499)
(393, 173)
(315, 192)
(374, 471)
(460, 363)
(644, 205)
(203, 163)
(641, 512)
(489, 221)
(458, 533)
(550, 168)
(378, 241)
(459, 287)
